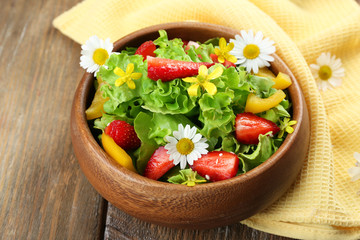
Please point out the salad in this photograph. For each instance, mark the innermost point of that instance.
(186, 112)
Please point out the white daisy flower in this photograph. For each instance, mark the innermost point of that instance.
(186, 146)
(252, 52)
(354, 172)
(94, 53)
(327, 72)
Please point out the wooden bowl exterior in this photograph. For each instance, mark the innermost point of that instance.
(203, 206)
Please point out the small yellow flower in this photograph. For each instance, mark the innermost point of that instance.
(223, 51)
(126, 77)
(203, 80)
(285, 126)
(191, 179)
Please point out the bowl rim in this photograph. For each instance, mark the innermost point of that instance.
(86, 84)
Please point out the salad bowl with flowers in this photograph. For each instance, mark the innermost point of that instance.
(189, 125)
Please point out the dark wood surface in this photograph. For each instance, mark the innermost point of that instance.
(43, 193)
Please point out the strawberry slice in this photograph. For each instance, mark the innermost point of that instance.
(123, 134)
(146, 49)
(191, 43)
(226, 64)
(217, 165)
(158, 164)
(248, 127)
(169, 69)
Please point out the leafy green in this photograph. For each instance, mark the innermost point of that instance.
(261, 85)
(275, 114)
(169, 98)
(263, 150)
(123, 93)
(162, 125)
(170, 49)
(102, 122)
(148, 145)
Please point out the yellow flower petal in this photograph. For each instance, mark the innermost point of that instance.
(289, 129)
(190, 79)
(210, 88)
(203, 71)
(232, 58)
(131, 84)
(130, 68)
(120, 81)
(118, 71)
(229, 47)
(221, 59)
(136, 76)
(216, 73)
(292, 122)
(217, 51)
(222, 43)
(193, 90)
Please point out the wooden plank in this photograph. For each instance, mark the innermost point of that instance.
(120, 225)
(43, 193)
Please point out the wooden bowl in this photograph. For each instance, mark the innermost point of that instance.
(205, 205)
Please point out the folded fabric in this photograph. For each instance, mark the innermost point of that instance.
(323, 203)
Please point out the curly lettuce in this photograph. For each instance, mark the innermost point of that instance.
(156, 108)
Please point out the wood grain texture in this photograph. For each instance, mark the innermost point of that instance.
(43, 193)
(120, 225)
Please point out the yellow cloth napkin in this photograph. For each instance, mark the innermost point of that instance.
(323, 203)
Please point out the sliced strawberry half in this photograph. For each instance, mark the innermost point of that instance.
(146, 49)
(191, 43)
(123, 134)
(249, 126)
(158, 164)
(169, 69)
(217, 165)
(227, 63)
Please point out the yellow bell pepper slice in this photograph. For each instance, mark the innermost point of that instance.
(256, 104)
(282, 81)
(116, 152)
(265, 72)
(96, 108)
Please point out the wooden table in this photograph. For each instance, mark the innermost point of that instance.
(43, 193)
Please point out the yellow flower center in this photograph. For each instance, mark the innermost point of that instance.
(185, 146)
(251, 51)
(100, 55)
(325, 72)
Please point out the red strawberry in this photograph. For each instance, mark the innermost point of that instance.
(191, 43)
(146, 49)
(217, 165)
(158, 164)
(169, 69)
(227, 63)
(123, 134)
(248, 127)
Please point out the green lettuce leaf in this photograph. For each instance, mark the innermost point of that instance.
(123, 93)
(169, 98)
(260, 154)
(162, 125)
(148, 145)
(261, 85)
(275, 114)
(170, 49)
(216, 115)
(105, 120)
